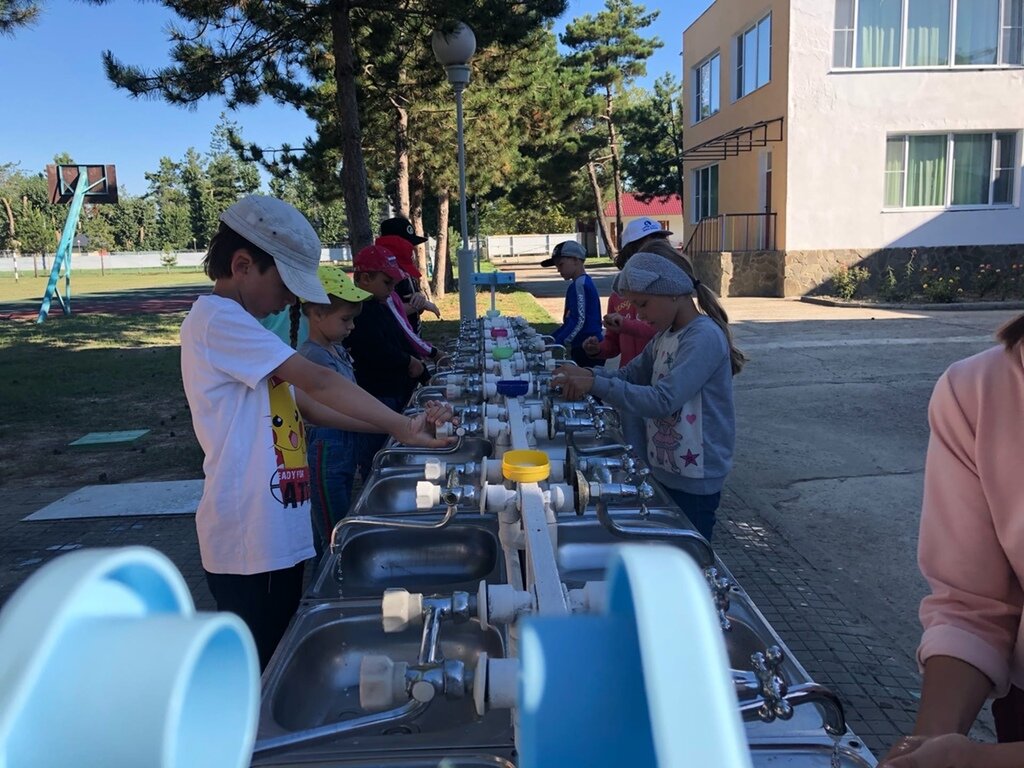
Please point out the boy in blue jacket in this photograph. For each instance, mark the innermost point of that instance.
(582, 316)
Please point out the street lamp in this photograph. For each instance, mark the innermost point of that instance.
(453, 51)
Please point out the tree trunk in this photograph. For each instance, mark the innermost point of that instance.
(442, 269)
(416, 184)
(402, 149)
(346, 105)
(616, 171)
(602, 220)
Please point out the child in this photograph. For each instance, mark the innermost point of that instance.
(582, 317)
(387, 366)
(243, 385)
(679, 388)
(398, 236)
(331, 452)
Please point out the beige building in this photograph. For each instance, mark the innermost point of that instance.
(822, 133)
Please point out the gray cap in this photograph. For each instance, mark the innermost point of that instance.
(279, 229)
(654, 275)
(567, 249)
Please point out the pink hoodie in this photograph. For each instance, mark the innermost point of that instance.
(971, 548)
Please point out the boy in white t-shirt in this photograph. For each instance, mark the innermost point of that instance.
(248, 392)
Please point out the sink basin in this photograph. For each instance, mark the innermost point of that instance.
(371, 560)
(313, 680)
(585, 545)
(393, 492)
(472, 449)
(809, 756)
(418, 759)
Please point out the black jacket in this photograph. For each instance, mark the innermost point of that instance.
(381, 353)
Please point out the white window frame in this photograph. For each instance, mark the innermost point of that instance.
(1014, 201)
(951, 54)
(696, 190)
(741, 63)
(697, 117)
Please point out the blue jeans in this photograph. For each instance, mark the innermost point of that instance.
(700, 509)
(371, 442)
(331, 454)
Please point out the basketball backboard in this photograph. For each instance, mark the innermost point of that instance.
(61, 181)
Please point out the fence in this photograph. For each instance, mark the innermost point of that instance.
(135, 259)
(525, 245)
(733, 232)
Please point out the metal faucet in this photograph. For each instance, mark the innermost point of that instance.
(693, 542)
(774, 699)
(720, 590)
(399, 450)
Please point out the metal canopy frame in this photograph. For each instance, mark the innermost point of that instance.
(736, 142)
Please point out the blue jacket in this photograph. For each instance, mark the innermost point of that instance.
(582, 318)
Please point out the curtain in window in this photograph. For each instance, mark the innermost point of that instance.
(713, 191)
(928, 33)
(972, 168)
(1006, 167)
(894, 172)
(926, 171)
(977, 31)
(1013, 39)
(879, 25)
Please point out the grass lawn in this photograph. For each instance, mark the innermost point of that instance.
(102, 372)
(91, 281)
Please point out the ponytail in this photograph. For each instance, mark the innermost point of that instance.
(1012, 333)
(294, 312)
(707, 300)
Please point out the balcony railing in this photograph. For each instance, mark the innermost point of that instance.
(735, 232)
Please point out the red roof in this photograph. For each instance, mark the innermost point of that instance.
(657, 206)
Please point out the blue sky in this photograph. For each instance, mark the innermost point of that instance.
(56, 97)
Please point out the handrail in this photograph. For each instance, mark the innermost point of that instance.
(734, 232)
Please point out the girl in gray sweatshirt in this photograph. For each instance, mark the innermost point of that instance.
(676, 396)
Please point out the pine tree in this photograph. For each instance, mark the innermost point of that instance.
(17, 13)
(609, 48)
(653, 141)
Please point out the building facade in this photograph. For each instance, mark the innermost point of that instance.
(894, 128)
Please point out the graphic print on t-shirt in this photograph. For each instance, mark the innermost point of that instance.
(290, 483)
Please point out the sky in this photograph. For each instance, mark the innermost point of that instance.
(55, 97)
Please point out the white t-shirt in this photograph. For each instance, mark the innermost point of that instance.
(254, 513)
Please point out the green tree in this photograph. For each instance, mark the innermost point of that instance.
(652, 158)
(36, 232)
(199, 192)
(174, 222)
(610, 50)
(17, 13)
(310, 56)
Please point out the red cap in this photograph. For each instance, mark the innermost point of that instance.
(373, 258)
(403, 251)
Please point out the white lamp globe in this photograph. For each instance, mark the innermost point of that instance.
(457, 47)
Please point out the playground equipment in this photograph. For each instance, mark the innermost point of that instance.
(73, 185)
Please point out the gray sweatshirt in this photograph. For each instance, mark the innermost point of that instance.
(677, 397)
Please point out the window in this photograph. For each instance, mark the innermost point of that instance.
(754, 57)
(705, 193)
(872, 34)
(707, 77)
(950, 170)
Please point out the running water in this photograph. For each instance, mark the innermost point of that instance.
(836, 762)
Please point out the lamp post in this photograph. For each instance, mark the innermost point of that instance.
(453, 51)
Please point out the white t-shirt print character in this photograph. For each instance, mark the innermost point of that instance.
(290, 483)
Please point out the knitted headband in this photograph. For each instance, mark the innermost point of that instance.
(654, 275)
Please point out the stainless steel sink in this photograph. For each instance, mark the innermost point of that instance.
(313, 680)
(417, 759)
(371, 560)
(809, 756)
(393, 492)
(471, 449)
(585, 545)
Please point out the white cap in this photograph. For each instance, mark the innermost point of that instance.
(640, 228)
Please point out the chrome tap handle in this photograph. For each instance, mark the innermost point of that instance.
(720, 589)
(773, 687)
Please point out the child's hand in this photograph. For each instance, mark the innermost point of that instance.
(439, 412)
(592, 346)
(416, 368)
(574, 381)
(418, 302)
(416, 433)
(613, 321)
(432, 307)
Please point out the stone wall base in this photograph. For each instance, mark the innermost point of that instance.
(804, 273)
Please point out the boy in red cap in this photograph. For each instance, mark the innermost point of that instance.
(387, 365)
(399, 237)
